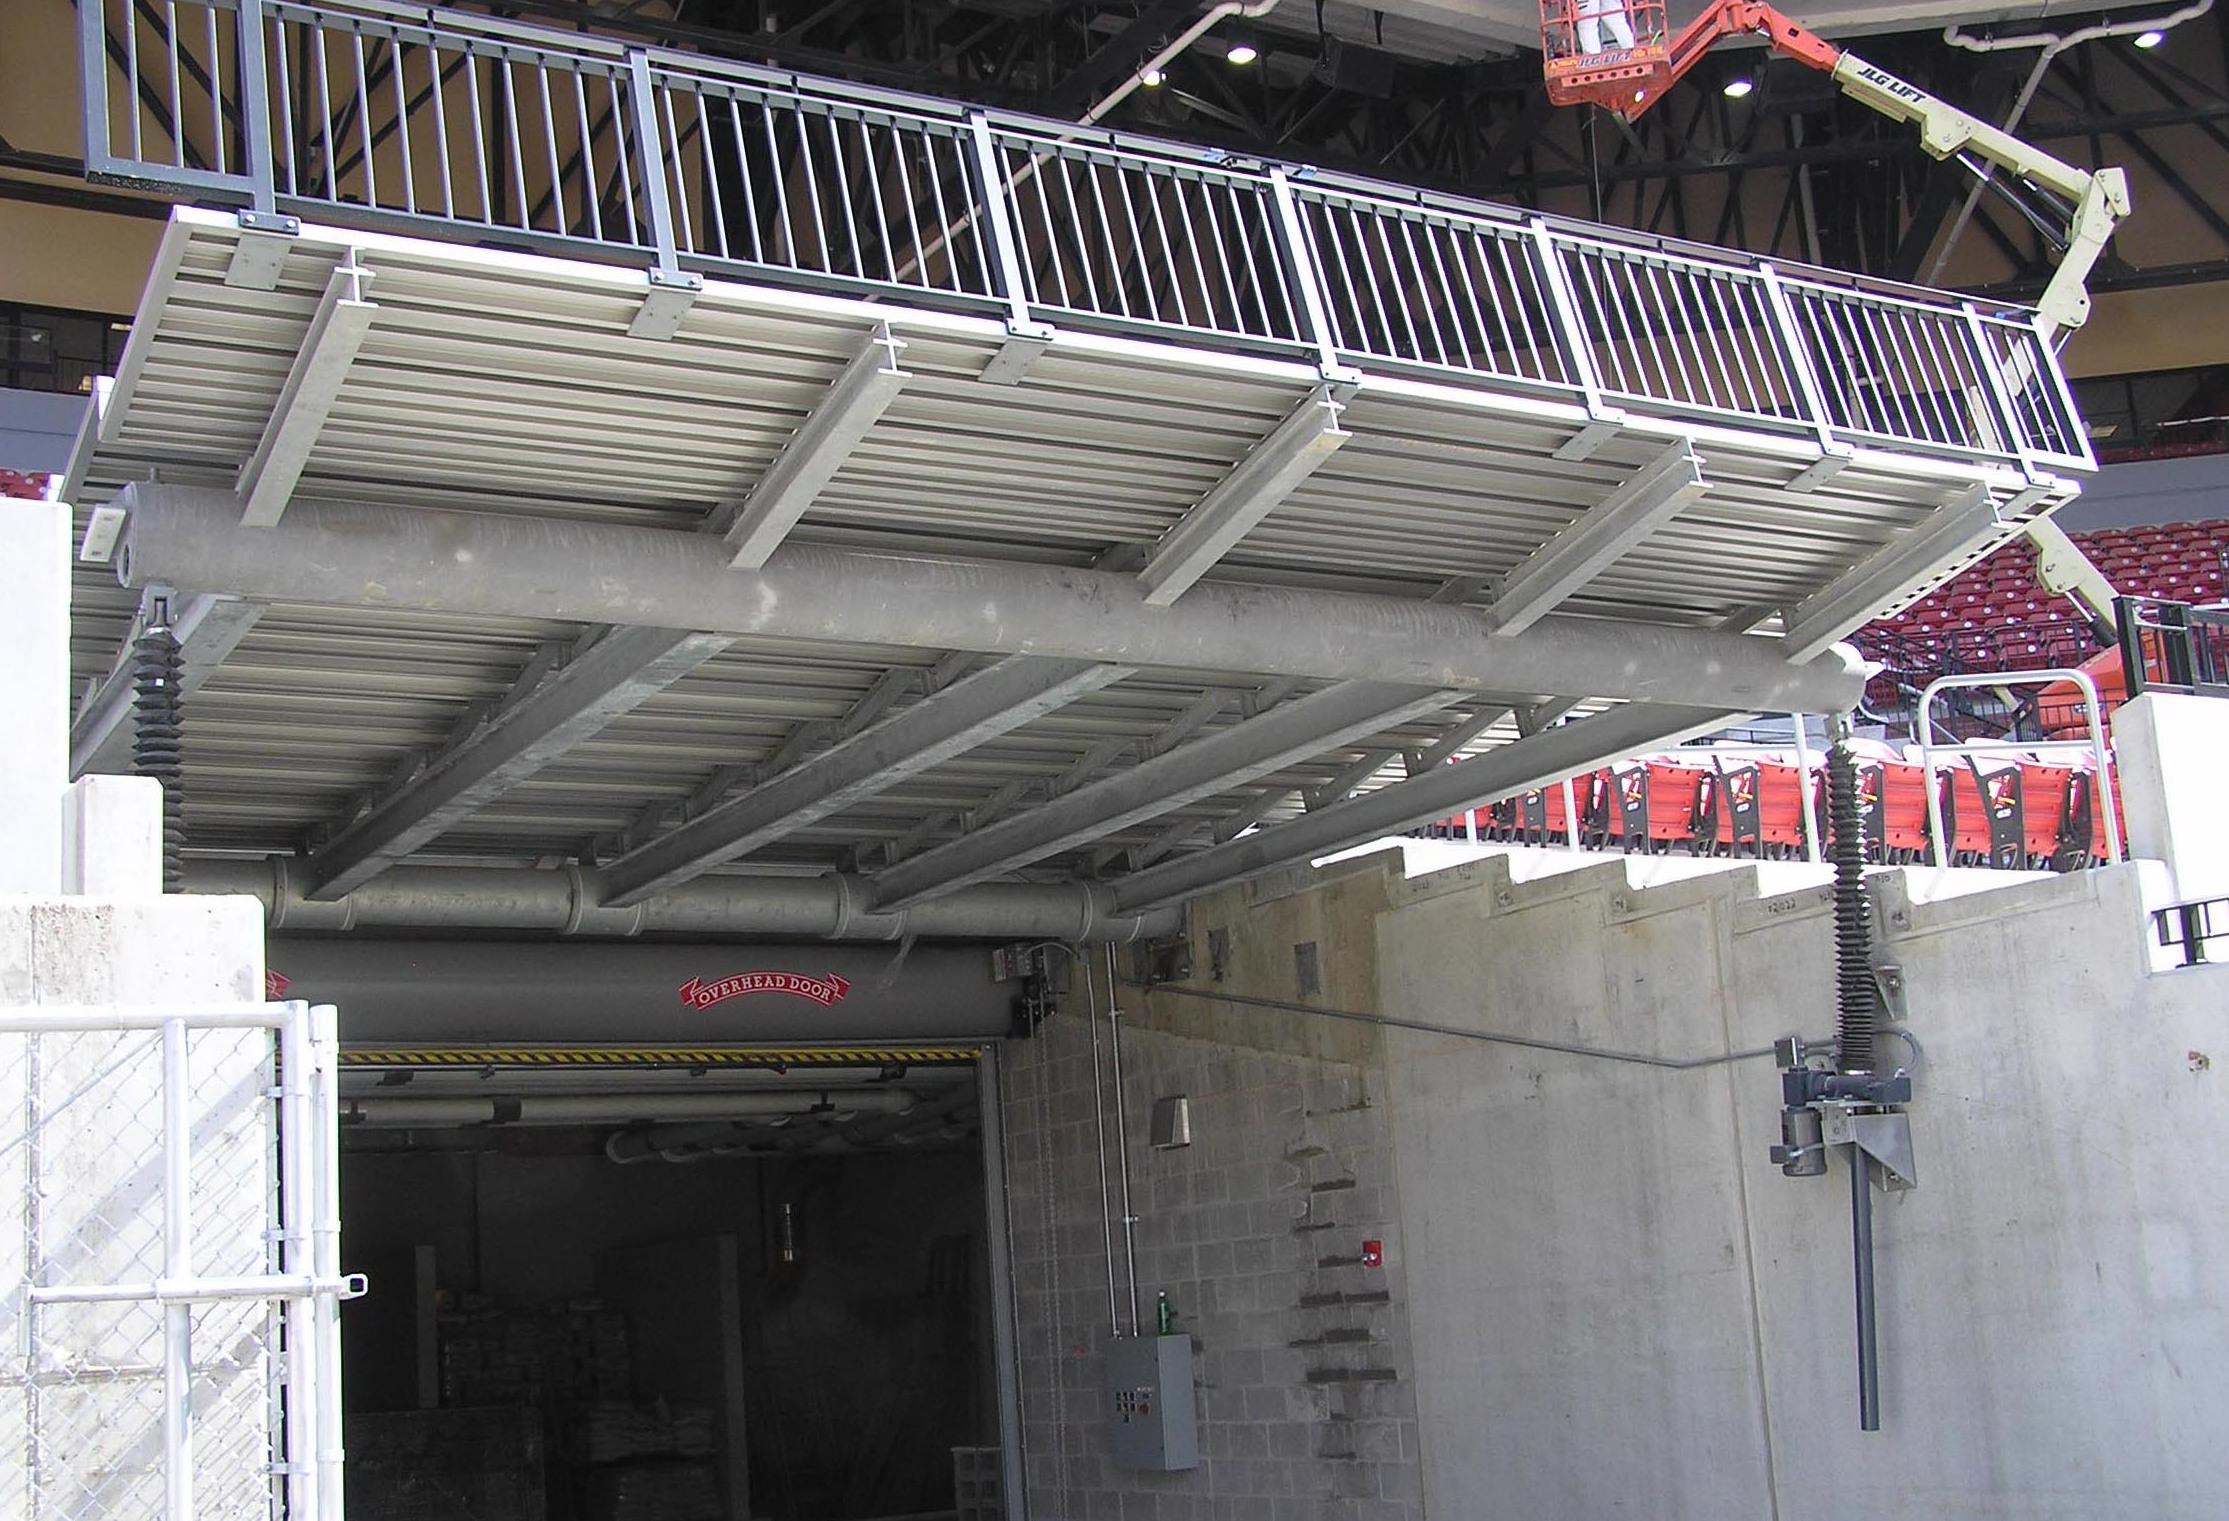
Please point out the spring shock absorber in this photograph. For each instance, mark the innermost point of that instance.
(1857, 996)
(158, 732)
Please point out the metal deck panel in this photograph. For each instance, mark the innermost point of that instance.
(507, 383)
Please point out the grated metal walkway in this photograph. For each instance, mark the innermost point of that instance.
(633, 462)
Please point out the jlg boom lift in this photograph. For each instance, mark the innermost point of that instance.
(1619, 54)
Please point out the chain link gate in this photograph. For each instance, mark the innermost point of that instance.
(170, 1333)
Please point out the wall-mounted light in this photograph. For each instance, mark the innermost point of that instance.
(1735, 89)
(1242, 53)
(2150, 39)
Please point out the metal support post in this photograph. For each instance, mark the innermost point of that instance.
(298, 1317)
(1005, 1340)
(177, 1268)
(1306, 275)
(1563, 301)
(990, 190)
(651, 148)
(2011, 437)
(1798, 355)
(255, 108)
(1809, 821)
(326, 1233)
(1861, 1252)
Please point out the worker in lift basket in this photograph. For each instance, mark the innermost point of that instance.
(1597, 16)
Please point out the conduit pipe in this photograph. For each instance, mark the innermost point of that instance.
(527, 899)
(1183, 41)
(360, 554)
(617, 1108)
(2053, 44)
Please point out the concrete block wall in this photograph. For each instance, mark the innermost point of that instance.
(1255, 1232)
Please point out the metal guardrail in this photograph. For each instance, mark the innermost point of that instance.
(2173, 647)
(370, 113)
(2093, 713)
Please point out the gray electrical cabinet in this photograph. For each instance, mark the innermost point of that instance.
(1152, 1417)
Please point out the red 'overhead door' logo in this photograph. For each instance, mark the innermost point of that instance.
(699, 994)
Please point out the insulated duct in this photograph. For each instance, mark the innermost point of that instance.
(358, 554)
(527, 900)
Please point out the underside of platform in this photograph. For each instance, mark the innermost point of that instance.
(526, 558)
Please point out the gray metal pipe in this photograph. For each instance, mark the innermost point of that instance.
(358, 554)
(528, 900)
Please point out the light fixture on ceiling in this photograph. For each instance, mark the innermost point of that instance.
(2150, 39)
(1738, 87)
(1151, 79)
(1242, 53)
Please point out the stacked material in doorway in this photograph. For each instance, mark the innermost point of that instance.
(446, 1465)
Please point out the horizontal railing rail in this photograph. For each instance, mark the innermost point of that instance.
(365, 112)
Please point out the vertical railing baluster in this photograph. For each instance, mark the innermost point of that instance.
(1797, 355)
(642, 105)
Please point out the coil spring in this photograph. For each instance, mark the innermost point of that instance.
(1857, 996)
(158, 738)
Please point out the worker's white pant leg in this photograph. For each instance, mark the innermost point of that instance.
(1598, 16)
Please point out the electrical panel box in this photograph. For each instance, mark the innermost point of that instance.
(1152, 1417)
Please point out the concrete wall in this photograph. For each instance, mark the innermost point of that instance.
(1628, 1310)
(2151, 491)
(1603, 1298)
(1255, 1231)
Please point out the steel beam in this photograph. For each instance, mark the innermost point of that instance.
(1546, 757)
(1592, 542)
(356, 554)
(266, 482)
(207, 629)
(1889, 575)
(546, 717)
(966, 714)
(817, 450)
(1307, 437)
(1231, 757)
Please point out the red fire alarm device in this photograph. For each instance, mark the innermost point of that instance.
(1373, 1254)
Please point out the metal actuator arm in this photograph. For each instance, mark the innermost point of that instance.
(2098, 199)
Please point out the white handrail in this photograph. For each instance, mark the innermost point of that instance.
(2093, 711)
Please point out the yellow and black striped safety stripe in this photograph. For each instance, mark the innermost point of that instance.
(655, 1056)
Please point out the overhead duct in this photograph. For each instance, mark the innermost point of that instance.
(362, 555)
(527, 900)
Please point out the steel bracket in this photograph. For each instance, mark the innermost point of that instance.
(667, 300)
(1832, 461)
(266, 237)
(1604, 427)
(1883, 1135)
(1025, 342)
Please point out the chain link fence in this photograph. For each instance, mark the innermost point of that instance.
(168, 1331)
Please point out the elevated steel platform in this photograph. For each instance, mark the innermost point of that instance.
(637, 464)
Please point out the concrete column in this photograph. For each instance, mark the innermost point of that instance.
(34, 692)
(2167, 748)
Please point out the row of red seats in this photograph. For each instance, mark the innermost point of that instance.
(2011, 813)
(2182, 562)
